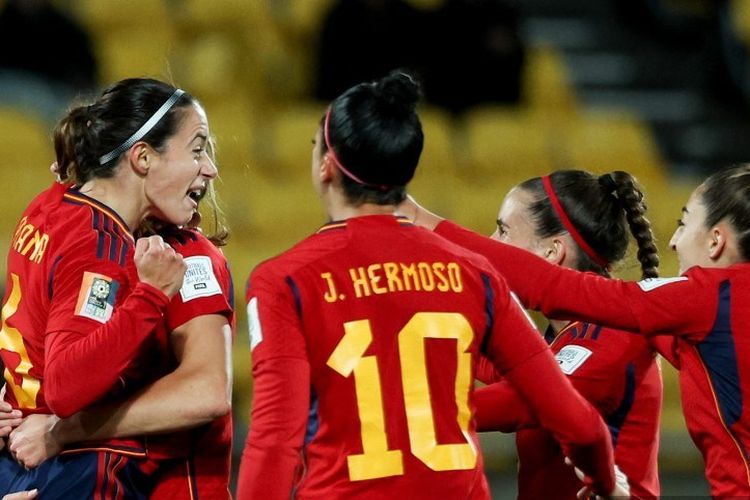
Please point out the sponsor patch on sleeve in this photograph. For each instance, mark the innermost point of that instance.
(253, 323)
(200, 280)
(96, 299)
(653, 283)
(571, 357)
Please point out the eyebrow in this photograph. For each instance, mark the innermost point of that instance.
(198, 135)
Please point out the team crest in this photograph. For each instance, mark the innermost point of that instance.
(96, 300)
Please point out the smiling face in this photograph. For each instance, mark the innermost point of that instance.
(179, 174)
(692, 239)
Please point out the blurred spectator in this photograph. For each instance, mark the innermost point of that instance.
(47, 58)
(362, 40)
(475, 55)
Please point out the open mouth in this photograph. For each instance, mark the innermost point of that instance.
(197, 194)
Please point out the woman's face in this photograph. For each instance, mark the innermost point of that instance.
(180, 174)
(316, 159)
(692, 239)
(514, 225)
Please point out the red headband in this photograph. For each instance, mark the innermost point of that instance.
(557, 206)
(341, 167)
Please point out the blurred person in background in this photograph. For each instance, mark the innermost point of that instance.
(47, 58)
(365, 336)
(703, 310)
(574, 219)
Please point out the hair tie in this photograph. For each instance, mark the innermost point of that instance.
(557, 206)
(607, 181)
(344, 170)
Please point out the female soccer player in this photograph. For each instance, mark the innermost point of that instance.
(75, 314)
(704, 309)
(575, 219)
(365, 335)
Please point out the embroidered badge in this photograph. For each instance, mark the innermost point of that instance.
(200, 280)
(571, 357)
(96, 299)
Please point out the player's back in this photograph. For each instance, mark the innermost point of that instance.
(392, 317)
(58, 225)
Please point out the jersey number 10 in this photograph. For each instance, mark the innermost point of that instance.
(348, 360)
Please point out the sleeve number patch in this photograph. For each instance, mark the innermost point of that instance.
(571, 357)
(200, 280)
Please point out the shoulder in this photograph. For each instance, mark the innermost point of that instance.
(306, 252)
(189, 242)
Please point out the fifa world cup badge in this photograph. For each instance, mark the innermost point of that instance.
(96, 299)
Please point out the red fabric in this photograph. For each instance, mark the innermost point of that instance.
(617, 360)
(705, 310)
(301, 323)
(208, 449)
(79, 359)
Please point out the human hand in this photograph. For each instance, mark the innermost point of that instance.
(9, 418)
(21, 495)
(159, 265)
(621, 490)
(33, 442)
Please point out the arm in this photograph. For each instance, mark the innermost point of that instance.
(281, 394)
(71, 357)
(526, 362)
(649, 307)
(195, 393)
(500, 408)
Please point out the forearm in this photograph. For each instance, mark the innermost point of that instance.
(106, 352)
(175, 402)
(572, 420)
(500, 408)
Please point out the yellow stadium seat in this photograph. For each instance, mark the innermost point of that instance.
(135, 52)
(546, 83)
(740, 15)
(509, 143)
(286, 139)
(27, 154)
(606, 141)
(103, 15)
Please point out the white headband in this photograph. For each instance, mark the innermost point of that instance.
(145, 128)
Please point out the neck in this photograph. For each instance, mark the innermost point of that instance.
(117, 195)
(338, 207)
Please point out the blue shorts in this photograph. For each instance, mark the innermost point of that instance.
(88, 475)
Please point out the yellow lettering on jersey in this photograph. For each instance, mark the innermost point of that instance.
(330, 295)
(38, 242)
(410, 276)
(359, 281)
(392, 277)
(372, 273)
(387, 277)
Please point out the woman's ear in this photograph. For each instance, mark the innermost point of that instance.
(555, 251)
(141, 157)
(718, 242)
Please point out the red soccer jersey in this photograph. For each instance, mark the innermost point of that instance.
(705, 309)
(364, 340)
(616, 372)
(74, 313)
(203, 469)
